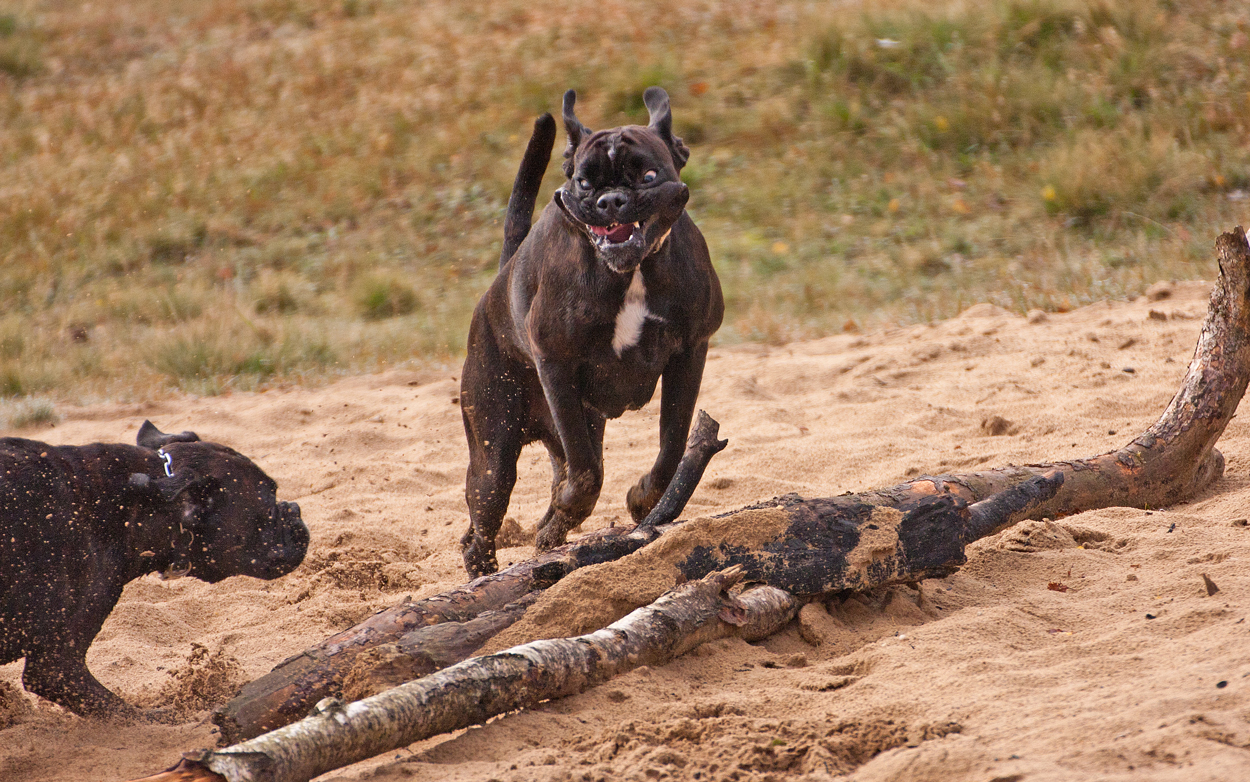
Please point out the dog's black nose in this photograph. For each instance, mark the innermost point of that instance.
(614, 201)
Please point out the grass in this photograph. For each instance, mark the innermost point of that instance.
(206, 195)
(27, 412)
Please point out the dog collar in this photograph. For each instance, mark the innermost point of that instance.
(168, 462)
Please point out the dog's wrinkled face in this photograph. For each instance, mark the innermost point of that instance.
(243, 528)
(624, 189)
(229, 518)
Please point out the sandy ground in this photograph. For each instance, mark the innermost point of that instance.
(1133, 673)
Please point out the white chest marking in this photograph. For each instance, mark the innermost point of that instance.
(633, 314)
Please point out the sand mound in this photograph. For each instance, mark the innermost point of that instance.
(1087, 648)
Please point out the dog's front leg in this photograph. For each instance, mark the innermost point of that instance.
(678, 395)
(574, 498)
(65, 680)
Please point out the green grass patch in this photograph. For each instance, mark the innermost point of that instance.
(235, 355)
(384, 296)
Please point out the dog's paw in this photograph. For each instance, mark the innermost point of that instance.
(479, 557)
(640, 499)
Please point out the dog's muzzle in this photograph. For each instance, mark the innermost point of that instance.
(622, 246)
(287, 552)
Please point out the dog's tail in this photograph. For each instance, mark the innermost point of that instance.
(516, 225)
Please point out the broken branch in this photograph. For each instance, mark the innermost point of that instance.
(288, 692)
(473, 691)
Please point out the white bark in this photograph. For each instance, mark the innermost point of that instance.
(477, 689)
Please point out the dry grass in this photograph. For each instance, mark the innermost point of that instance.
(216, 194)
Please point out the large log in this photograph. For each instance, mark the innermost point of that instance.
(476, 690)
(1175, 457)
(847, 545)
(904, 533)
(1168, 463)
(290, 690)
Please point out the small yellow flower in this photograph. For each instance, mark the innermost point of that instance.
(941, 123)
(781, 248)
(1048, 193)
(894, 205)
(961, 207)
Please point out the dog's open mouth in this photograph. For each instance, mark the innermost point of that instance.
(622, 246)
(616, 233)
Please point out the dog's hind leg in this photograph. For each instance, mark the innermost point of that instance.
(493, 402)
(488, 487)
(563, 515)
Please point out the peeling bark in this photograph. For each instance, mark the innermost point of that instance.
(907, 532)
(290, 690)
(473, 691)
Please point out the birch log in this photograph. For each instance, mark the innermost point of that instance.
(906, 532)
(850, 546)
(473, 691)
(290, 690)
(1168, 463)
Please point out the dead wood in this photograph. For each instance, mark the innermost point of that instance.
(701, 446)
(427, 649)
(850, 542)
(1174, 458)
(1168, 463)
(830, 546)
(473, 691)
(907, 532)
(290, 690)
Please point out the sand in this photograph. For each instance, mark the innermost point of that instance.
(1133, 672)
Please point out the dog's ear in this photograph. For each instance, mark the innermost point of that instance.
(656, 101)
(575, 129)
(194, 492)
(187, 487)
(151, 437)
(190, 493)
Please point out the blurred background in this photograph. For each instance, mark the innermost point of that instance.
(206, 195)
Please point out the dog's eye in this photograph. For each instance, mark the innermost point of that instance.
(584, 184)
(649, 176)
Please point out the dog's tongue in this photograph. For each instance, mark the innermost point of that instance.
(621, 233)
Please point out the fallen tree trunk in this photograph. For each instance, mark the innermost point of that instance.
(851, 546)
(288, 692)
(1166, 464)
(427, 649)
(473, 691)
(919, 529)
(1174, 458)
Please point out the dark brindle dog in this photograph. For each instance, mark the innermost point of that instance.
(611, 290)
(78, 522)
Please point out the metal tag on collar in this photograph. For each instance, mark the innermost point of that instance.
(169, 462)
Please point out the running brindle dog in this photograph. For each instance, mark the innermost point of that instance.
(611, 290)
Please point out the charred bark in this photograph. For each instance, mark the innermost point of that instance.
(844, 543)
(478, 689)
(852, 542)
(290, 690)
